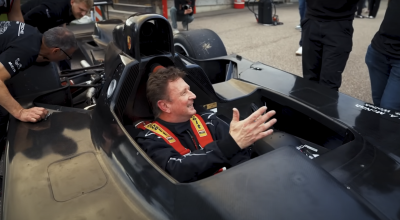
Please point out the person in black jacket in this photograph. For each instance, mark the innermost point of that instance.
(183, 10)
(172, 104)
(20, 46)
(13, 10)
(46, 14)
(383, 60)
(327, 40)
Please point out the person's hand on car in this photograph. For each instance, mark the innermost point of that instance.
(251, 129)
(188, 11)
(34, 114)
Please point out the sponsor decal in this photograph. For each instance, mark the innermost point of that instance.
(48, 13)
(4, 26)
(210, 106)
(21, 29)
(156, 129)
(129, 42)
(18, 64)
(12, 66)
(199, 127)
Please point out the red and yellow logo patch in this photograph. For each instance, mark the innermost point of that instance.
(129, 41)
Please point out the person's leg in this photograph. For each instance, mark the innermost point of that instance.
(302, 9)
(390, 98)
(337, 45)
(375, 8)
(186, 20)
(371, 4)
(379, 69)
(312, 49)
(360, 6)
(173, 12)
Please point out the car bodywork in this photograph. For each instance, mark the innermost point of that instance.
(85, 164)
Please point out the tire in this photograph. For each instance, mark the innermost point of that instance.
(199, 44)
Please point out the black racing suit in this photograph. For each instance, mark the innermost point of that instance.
(200, 163)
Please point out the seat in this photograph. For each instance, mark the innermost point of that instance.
(103, 31)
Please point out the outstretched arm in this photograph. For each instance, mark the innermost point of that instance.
(15, 13)
(13, 107)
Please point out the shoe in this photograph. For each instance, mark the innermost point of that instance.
(175, 30)
(185, 27)
(298, 27)
(359, 16)
(371, 17)
(299, 51)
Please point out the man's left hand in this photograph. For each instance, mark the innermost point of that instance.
(188, 11)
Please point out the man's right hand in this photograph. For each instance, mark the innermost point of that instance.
(34, 114)
(188, 11)
(251, 129)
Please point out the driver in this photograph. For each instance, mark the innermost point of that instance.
(20, 46)
(191, 146)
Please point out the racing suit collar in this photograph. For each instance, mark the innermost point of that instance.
(176, 128)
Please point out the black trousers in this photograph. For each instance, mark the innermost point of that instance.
(326, 48)
(360, 6)
(373, 7)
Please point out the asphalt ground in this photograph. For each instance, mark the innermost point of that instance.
(276, 45)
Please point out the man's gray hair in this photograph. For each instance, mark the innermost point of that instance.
(60, 37)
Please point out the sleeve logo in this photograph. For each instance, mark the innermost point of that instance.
(12, 66)
(4, 26)
(18, 64)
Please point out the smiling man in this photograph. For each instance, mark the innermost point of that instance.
(20, 46)
(190, 145)
(46, 14)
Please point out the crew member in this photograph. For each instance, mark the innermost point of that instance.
(183, 11)
(20, 46)
(46, 14)
(383, 60)
(327, 40)
(12, 8)
(192, 146)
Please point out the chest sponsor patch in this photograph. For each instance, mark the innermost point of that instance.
(4, 26)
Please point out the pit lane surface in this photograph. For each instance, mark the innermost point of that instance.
(276, 45)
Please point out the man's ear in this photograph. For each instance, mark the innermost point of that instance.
(54, 50)
(72, 2)
(164, 106)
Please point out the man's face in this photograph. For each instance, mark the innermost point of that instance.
(181, 99)
(56, 54)
(79, 9)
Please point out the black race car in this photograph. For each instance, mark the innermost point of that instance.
(331, 156)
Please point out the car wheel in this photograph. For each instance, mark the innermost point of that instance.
(199, 44)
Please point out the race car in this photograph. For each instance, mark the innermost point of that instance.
(331, 156)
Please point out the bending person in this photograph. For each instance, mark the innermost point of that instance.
(190, 145)
(383, 60)
(46, 14)
(22, 45)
